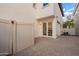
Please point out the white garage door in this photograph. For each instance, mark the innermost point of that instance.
(4, 37)
(15, 37)
(24, 36)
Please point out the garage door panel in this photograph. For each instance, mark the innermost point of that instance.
(14, 37)
(4, 38)
(24, 36)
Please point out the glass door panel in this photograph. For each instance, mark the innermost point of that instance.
(49, 28)
(44, 29)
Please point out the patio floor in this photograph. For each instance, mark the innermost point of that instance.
(62, 46)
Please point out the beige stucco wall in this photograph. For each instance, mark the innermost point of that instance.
(76, 18)
(52, 9)
(38, 29)
(22, 33)
(42, 11)
(26, 26)
(17, 11)
(58, 16)
(21, 12)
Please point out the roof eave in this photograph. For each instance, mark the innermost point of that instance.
(75, 9)
(61, 8)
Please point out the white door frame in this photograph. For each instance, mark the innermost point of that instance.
(46, 30)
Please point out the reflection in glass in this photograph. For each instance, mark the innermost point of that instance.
(44, 29)
(49, 28)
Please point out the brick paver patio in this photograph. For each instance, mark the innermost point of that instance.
(62, 46)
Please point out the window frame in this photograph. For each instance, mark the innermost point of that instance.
(45, 4)
(34, 5)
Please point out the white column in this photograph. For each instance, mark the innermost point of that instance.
(40, 29)
(47, 29)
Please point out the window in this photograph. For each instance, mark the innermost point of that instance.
(34, 5)
(44, 29)
(49, 28)
(45, 4)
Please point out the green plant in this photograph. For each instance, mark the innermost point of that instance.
(69, 24)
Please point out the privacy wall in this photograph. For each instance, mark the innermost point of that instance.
(15, 36)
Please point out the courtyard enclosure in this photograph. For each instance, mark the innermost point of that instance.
(18, 34)
(20, 24)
